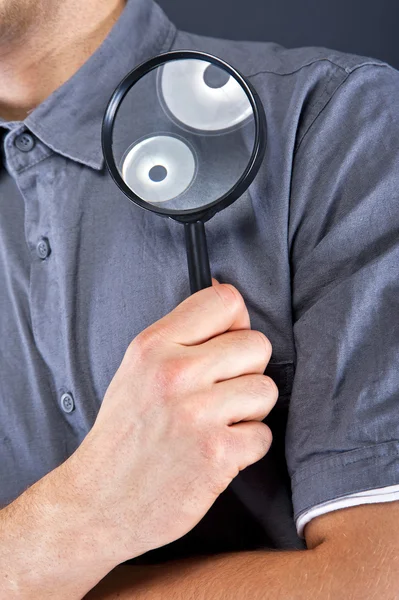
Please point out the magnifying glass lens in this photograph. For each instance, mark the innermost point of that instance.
(183, 135)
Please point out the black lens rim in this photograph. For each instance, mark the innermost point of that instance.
(193, 214)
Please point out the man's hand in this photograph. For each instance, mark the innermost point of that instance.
(180, 419)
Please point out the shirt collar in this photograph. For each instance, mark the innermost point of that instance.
(69, 121)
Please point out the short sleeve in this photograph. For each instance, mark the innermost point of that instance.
(343, 424)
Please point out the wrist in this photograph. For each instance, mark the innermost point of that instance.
(97, 488)
(51, 546)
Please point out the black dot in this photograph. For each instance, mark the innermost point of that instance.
(157, 173)
(215, 77)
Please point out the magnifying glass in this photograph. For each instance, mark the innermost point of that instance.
(183, 136)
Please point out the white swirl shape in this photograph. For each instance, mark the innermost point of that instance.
(165, 154)
(198, 105)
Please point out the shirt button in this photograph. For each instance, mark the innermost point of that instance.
(43, 248)
(24, 142)
(67, 403)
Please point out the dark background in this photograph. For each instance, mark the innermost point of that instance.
(365, 27)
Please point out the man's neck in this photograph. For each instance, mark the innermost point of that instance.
(35, 62)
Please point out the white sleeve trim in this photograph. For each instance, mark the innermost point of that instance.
(385, 494)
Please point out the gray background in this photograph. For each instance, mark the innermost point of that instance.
(357, 26)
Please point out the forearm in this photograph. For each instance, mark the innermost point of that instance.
(50, 546)
(261, 575)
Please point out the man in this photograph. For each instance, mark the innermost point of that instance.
(131, 429)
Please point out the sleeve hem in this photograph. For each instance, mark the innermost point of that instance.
(345, 473)
(386, 494)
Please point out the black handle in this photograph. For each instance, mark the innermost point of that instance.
(197, 256)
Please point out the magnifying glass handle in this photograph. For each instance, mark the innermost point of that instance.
(197, 256)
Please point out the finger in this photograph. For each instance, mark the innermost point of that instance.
(244, 324)
(246, 398)
(252, 441)
(203, 315)
(232, 354)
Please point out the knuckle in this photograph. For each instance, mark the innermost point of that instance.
(269, 387)
(257, 444)
(176, 373)
(255, 385)
(264, 438)
(237, 341)
(214, 449)
(265, 343)
(230, 296)
(143, 344)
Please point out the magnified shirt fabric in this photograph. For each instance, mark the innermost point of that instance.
(312, 246)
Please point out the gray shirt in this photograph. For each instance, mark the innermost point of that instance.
(312, 246)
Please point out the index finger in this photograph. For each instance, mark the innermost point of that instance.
(204, 315)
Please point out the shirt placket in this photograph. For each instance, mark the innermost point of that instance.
(28, 161)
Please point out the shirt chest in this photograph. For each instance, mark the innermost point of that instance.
(84, 271)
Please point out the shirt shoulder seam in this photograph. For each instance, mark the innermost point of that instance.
(371, 62)
(307, 64)
(324, 104)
